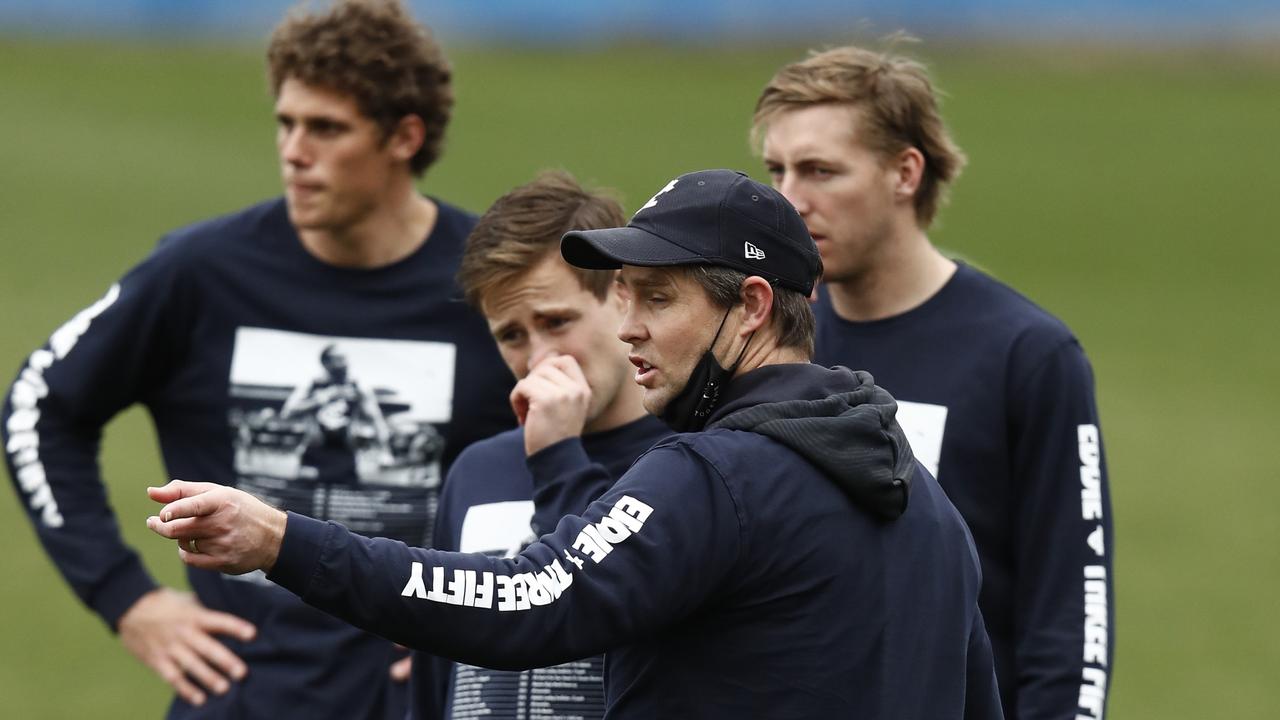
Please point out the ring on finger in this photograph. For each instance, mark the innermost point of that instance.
(191, 546)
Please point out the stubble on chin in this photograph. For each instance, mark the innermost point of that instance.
(299, 217)
(654, 403)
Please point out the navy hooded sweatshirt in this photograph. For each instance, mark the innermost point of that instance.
(997, 398)
(769, 566)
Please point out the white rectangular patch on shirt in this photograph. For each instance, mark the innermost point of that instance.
(416, 376)
(924, 425)
(497, 528)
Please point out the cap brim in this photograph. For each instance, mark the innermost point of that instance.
(611, 248)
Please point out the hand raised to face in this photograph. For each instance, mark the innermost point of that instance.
(551, 402)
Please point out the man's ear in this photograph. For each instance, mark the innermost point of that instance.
(406, 138)
(907, 172)
(757, 304)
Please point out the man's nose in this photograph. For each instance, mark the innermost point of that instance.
(794, 194)
(293, 146)
(630, 331)
(541, 350)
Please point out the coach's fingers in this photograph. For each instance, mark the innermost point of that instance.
(182, 528)
(203, 561)
(189, 507)
(177, 489)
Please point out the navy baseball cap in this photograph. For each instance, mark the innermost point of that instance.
(709, 217)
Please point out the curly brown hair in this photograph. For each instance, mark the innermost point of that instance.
(374, 51)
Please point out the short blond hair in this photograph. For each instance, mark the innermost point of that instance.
(896, 104)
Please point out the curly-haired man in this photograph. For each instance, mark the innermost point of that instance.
(216, 327)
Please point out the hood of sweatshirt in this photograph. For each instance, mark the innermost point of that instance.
(837, 419)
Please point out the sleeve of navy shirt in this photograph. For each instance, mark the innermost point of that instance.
(110, 355)
(642, 556)
(565, 482)
(1063, 539)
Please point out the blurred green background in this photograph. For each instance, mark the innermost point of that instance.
(1133, 192)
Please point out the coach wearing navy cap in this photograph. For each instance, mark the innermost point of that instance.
(764, 561)
(721, 227)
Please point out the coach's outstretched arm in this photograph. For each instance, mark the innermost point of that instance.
(642, 556)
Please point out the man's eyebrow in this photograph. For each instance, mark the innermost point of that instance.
(311, 120)
(556, 310)
(651, 280)
(498, 330)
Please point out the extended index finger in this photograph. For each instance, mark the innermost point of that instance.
(177, 489)
(180, 529)
(189, 507)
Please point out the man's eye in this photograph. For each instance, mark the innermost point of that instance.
(325, 129)
(510, 337)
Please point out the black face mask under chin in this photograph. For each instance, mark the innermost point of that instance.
(689, 409)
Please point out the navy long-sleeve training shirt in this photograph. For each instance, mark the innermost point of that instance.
(770, 566)
(495, 501)
(341, 393)
(997, 398)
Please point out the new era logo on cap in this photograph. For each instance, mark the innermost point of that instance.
(710, 217)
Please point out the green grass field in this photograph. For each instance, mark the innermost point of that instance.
(1133, 193)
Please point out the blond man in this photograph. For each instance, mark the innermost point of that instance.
(995, 394)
